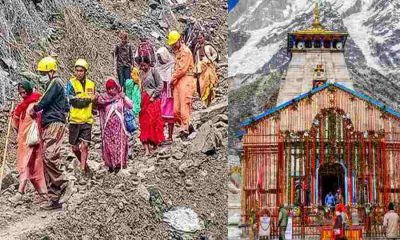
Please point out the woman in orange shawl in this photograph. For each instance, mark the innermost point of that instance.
(29, 159)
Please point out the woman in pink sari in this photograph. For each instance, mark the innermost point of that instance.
(29, 158)
(111, 105)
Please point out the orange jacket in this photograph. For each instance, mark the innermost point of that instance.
(184, 64)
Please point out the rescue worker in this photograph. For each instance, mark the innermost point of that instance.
(183, 83)
(54, 107)
(81, 93)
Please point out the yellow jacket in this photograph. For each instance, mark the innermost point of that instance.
(80, 101)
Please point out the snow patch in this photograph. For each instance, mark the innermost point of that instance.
(251, 58)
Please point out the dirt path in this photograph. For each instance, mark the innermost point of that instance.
(40, 220)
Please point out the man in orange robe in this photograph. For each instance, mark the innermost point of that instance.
(183, 83)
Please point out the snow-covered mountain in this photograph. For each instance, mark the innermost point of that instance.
(258, 31)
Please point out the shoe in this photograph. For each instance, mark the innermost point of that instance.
(51, 205)
(191, 129)
(40, 198)
(183, 135)
(16, 199)
(67, 193)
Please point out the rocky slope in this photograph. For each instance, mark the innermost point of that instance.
(131, 204)
(257, 45)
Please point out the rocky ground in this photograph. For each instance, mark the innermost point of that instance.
(188, 175)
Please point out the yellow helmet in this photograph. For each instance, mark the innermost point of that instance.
(173, 37)
(135, 75)
(47, 64)
(82, 63)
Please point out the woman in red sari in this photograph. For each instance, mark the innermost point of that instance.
(150, 120)
(29, 158)
(112, 105)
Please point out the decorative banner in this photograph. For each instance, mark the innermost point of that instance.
(265, 227)
(289, 229)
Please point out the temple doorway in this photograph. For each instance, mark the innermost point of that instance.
(331, 178)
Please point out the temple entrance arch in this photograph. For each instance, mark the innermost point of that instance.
(331, 177)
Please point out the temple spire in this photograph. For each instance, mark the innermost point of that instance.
(316, 22)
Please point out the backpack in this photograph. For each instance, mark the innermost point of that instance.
(146, 48)
(130, 122)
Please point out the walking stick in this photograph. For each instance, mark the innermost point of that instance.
(5, 149)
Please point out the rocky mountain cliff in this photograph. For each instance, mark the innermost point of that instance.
(257, 45)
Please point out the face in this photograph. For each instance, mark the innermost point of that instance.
(177, 45)
(123, 39)
(112, 91)
(80, 73)
(160, 58)
(144, 66)
(22, 92)
(202, 39)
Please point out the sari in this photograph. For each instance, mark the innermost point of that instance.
(29, 159)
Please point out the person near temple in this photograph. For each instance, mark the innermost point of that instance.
(283, 218)
(338, 227)
(391, 223)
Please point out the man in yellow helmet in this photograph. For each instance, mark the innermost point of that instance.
(183, 82)
(81, 93)
(54, 108)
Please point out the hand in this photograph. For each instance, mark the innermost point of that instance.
(152, 99)
(122, 94)
(32, 113)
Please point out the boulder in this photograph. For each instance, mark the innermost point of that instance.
(206, 140)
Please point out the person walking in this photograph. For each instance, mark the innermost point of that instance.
(112, 105)
(165, 68)
(338, 227)
(132, 87)
(183, 83)
(391, 223)
(54, 107)
(29, 158)
(151, 123)
(81, 93)
(123, 57)
(283, 218)
(205, 71)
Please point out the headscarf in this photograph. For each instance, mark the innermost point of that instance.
(27, 86)
(135, 75)
(31, 97)
(165, 69)
(111, 81)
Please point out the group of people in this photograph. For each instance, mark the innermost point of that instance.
(155, 87)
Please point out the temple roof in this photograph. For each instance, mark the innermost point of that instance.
(359, 95)
(317, 28)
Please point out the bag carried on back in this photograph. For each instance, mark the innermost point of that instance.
(146, 48)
